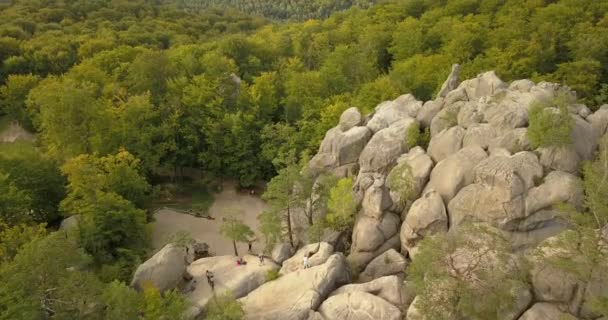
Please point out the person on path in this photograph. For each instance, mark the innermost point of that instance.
(261, 256)
(249, 244)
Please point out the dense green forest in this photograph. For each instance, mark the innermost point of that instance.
(117, 91)
(276, 9)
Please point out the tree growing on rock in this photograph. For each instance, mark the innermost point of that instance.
(235, 230)
(341, 206)
(452, 271)
(581, 251)
(550, 123)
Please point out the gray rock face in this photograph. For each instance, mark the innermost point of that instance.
(282, 252)
(358, 306)
(390, 112)
(70, 223)
(426, 216)
(485, 84)
(228, 276)
(498, 195)
(481, 135)
(389, 263)
(164, 270)
(389, 288)
(320, 253)
(428, 111)
(340, 150)
(446, 143)
(451, 82)
(297, 294)
(455, 172)
(599, 121)
(545, 311)
(558, 186)
(420, 166)
(349, 119)
(385, 147)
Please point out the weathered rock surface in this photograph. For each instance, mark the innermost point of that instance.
(451, 82)
(297, 294)
(164, 270)
(358, 305)
(388, 263)
(420, 166)
(383, 149)
(228, 276)
(446, 143)
(389, 288)
(282, 252)
(70, 223)
(426, 216)
(349, 119)
(390, 112)
(545, 311)
(320, 253)
(455, 172)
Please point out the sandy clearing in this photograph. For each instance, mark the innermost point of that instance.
(169, 222)
(16, 132)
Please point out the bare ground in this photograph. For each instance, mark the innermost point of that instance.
(15, 132)
(169, 222)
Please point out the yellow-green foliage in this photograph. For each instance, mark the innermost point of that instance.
(272, 275)
(224, 307)
(341, 206)
(401, 180)
(550, 123)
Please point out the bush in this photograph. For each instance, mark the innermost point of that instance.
(550, 123)
(401, 180)
(225, 307)
(272, 275)
(451, 117)
(412, 135)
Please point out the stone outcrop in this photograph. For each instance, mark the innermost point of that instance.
(545, 311)
(427, 216)
(164, 270)
(282, 252)
(419, 165)
(389, 288)
(228, 277)
(388, 263)
(297, 294)
(320, 253)
(358, 305)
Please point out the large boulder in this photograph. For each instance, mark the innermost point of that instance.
(349, 119)
(427, 216)
(557, 187)
(447, 117)
(482, 135)
(282, 252)
(428, 112)
(545, 311)
(383, 149)
(451, 82)
(370, 233)
(70, 223)
(339, 151)
(389, 112)
(389, 263)
(498, 194)
(420, 166)
(514, 141)
(295, 295)
(485, 84)
(164, 270)
(320, 253)
(359, 259)
(228, 276)
(599, 121)
(389, 288)
(455, 172)
(358, 306)
(446, 143)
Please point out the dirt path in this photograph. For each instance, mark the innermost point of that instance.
(15, 132)
(169, 222)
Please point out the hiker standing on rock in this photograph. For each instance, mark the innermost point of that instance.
(261, 256)
(305, 260)
(210, 280)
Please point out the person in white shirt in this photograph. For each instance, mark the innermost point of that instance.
(306, 260)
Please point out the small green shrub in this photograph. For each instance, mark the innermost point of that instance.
(450, 116)
(412, 135)
(550, 123)
(272, 275)
(225, 307)
(401, 180)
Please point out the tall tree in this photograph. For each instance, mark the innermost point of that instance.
(235, 230)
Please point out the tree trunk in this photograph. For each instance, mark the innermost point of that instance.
(289, 227)
(236, 253)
